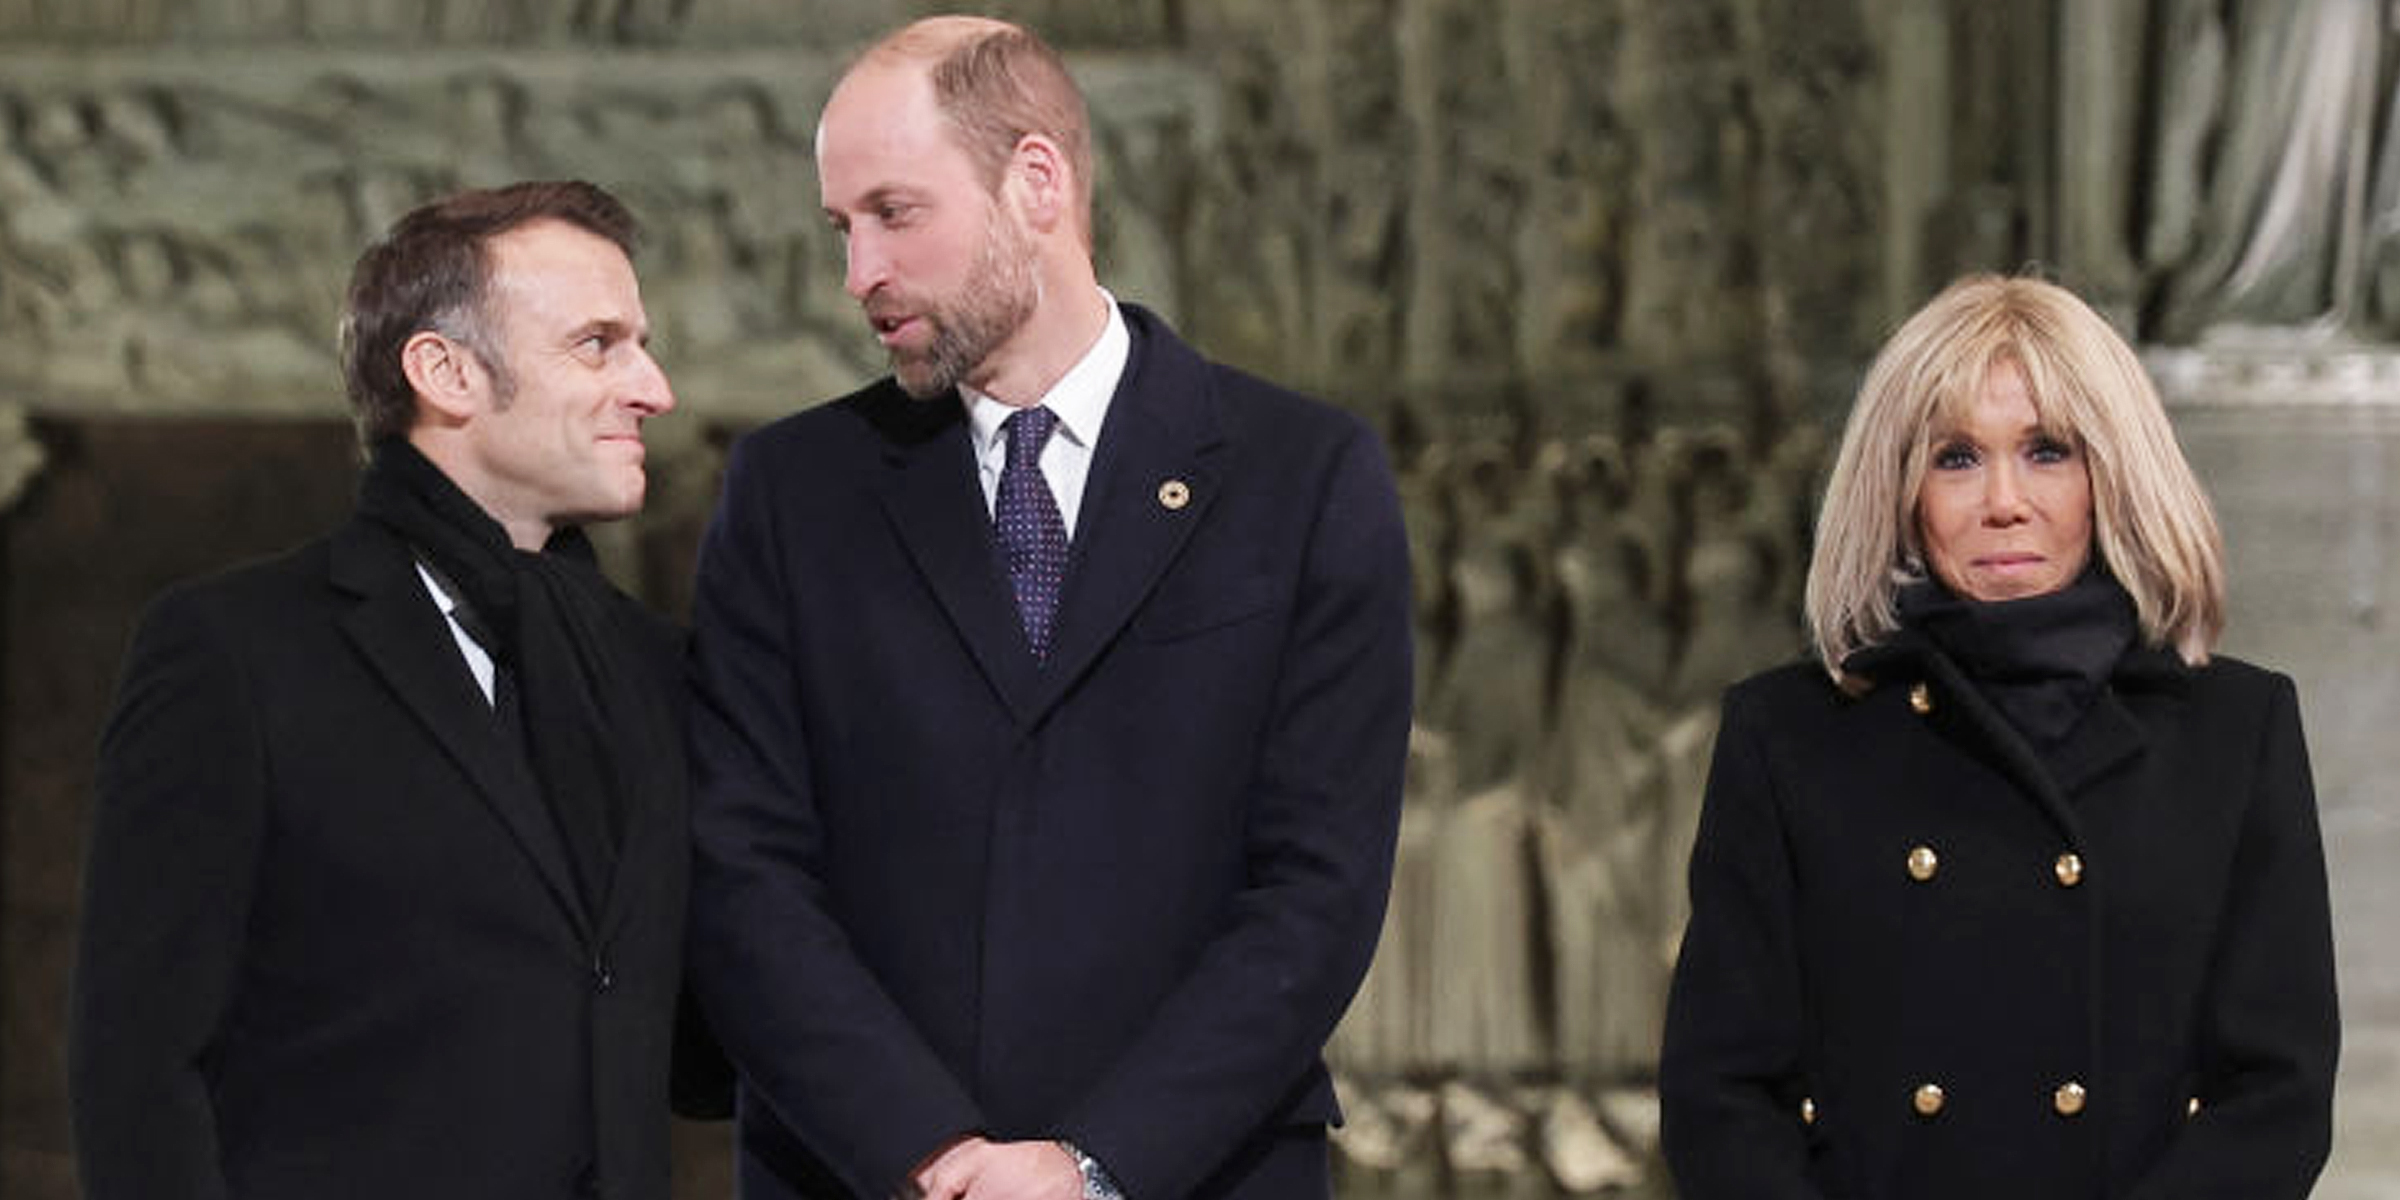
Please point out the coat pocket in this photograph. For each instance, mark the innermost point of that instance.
(1170, 618)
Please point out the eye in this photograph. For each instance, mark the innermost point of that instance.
(893, 213)
(1955, 456)
(593, 347)
(2048, 450)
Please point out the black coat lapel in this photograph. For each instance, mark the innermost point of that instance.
(2107, 736)
(1154, 478)
(936, 507)
(656, 775)
(402, 635)
(2114, 733)
(1974, 720)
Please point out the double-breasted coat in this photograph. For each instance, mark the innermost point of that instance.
(1924, 960)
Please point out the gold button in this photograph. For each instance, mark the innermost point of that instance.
(1808, 1111)
(1922, 863)
(2191, 1107)
(1174, 494)
(2069, 869)
(1920, 698)
(2068, 1099)
(1928, 1099)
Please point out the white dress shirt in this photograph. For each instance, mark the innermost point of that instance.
(477, 661)
(1079, 398)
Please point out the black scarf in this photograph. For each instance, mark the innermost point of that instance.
(2041, 660)
(546, 621)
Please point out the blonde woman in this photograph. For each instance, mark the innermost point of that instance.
(2018, 890)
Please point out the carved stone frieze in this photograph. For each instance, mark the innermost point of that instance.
(175, 229)
(436, 23)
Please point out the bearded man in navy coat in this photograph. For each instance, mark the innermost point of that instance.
(1048, 767)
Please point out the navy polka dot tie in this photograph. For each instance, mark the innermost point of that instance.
(1025, 516)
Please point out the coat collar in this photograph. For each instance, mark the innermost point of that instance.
(1154, 478)
(2109, 736)
(394, 624)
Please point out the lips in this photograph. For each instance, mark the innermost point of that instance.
(890, 329)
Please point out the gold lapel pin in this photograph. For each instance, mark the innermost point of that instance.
(1174, 494)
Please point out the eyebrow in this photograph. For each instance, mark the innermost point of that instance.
(880, 194)
(615, 329)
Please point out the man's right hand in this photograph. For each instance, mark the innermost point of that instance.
(974, 1168)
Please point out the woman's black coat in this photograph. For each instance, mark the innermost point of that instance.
(2116, 969)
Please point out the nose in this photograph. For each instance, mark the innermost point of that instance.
(648, 393)
(2003, 495)
(866, 266)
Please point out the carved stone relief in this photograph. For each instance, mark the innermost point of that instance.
(174, 234)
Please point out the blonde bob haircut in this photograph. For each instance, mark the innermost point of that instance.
(2151, 525)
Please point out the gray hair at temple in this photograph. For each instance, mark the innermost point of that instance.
(432, 271)
(2152, 526)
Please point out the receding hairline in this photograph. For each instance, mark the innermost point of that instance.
(930, 40)
(913, 52)
(992, 84)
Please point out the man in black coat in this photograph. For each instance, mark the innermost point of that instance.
(386, 874)
(1049, 775)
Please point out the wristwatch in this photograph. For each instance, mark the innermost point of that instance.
(1098, 1184)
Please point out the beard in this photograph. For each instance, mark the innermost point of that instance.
(999, 295)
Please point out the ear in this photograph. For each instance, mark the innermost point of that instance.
(447, 378)
(1044, 180)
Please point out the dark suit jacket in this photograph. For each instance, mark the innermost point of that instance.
(1119, 898)
(2184, 954)
(331, 944)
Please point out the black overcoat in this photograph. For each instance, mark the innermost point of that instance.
(1924, 961)
(331, 945)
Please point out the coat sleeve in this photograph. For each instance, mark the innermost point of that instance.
(1245, 1026)
(170, 859)
(2269, 1026)
(1731, 1070)
(810, 1028)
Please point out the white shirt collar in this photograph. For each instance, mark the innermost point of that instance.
(1079, 398)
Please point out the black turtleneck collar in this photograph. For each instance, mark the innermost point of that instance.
(2041, 660)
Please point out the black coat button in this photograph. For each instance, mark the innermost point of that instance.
(603, 980)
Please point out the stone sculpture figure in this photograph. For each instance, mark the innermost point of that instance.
(2279, 231)
(1486, 1023)
(1599, 781)
(1599, 823)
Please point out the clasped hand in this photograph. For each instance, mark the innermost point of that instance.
(974, 1168)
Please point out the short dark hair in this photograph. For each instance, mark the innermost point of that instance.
(432, 271)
